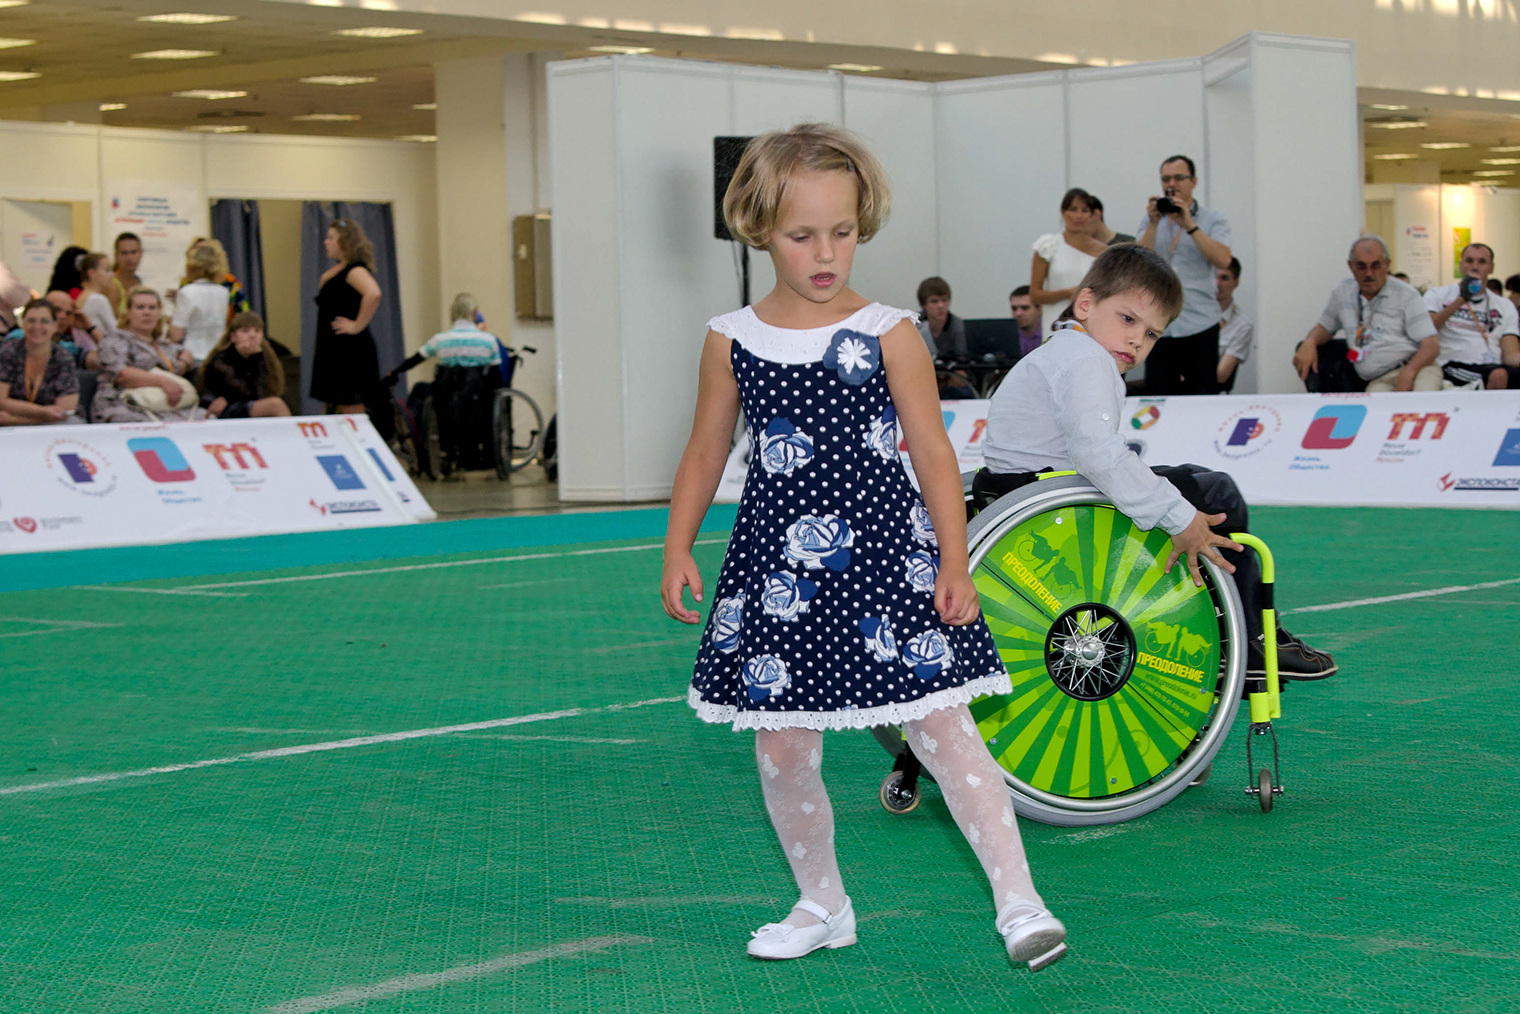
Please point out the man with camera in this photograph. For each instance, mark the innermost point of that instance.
(1195, 241)
(1480, 332)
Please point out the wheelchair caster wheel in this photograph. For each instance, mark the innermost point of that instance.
(1265, 795)
(897, 797)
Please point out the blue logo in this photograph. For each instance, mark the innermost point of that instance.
(381, 465)
(1509, 449)
(340, 471)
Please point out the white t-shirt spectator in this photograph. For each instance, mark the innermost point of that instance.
(1385, 330)
(1473, 331)
(98, 311)
(201, 309)
(1236, 334)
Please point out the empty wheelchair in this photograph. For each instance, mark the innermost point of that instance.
(1126, 678)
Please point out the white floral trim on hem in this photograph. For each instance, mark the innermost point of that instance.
(857, 718)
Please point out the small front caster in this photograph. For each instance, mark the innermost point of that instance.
(1265, 791)
(897, 794)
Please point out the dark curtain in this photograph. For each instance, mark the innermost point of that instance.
(375, 220)
(235, 224)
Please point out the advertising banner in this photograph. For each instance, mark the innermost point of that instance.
(68, 487)
(165, 216)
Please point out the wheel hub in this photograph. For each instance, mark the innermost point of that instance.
(1090, 652)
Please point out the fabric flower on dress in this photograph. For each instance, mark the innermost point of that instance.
(784, 448)
(880, 641)
(728, 617)
(923, 528)
(856, 356)
(883, 435)
(785, 595)
(928, 654)
(922, 569)
(817, 542)
(765, 676)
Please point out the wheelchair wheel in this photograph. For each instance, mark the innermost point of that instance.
(409, 442)
(518, 430)
(895, 798)
(1126, 679)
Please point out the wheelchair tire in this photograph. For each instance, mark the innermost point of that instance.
(1265, 796)
(1126, 678)
(517, 426)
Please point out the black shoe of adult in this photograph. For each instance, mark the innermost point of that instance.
(1295, 659)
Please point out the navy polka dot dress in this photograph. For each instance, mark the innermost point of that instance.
(823, 615)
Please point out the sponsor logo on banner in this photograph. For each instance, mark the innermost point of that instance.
(1147, 416)
(27, 525)
(237, 462)
(1416, 426)
(1138, 446)
(340, 471)
(160, 459)
(313, 430)
(344, 507)
(81, 468)
(1509, 450)
(1334, 427)
(1479, 484)
(1248, 431)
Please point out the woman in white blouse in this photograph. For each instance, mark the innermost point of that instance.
(200, 305)
(1061, 259)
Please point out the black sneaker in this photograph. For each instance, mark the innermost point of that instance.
(1295, 659)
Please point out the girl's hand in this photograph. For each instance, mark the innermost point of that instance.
(680, 573)
(955, 597)
(342, 325)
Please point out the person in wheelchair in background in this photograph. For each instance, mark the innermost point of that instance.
(1059, 410)
(464, 386)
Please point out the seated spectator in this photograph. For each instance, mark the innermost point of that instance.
(242, 377)
(71, 335)
(128, 250)
(945, 334)
(1402, 277)
(1100, 230)
(66, 276)
(1027, 316)
(38, 384)
(1236, 332)
(1512, 289)
(465, 343)
(1495, 286)
(1392, 343)
(136, 354)
(1480, 335)
(96, 310)
(200, 306)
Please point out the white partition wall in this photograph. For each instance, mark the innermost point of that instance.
(978, 170)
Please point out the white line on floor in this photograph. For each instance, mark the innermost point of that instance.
(340, 744)
(1405, 596)
(161, 591)
(349, 995)
(54, 626)
(559, 739)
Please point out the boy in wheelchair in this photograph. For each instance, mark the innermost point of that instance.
(1059, 409)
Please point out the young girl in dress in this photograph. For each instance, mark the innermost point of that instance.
(844, 600)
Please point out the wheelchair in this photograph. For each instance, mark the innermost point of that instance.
(1126, 678)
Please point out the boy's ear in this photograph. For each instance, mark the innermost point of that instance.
(1082, 305)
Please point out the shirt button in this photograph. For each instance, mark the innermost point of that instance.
(1105, 417)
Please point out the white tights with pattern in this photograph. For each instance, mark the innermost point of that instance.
(948, 744)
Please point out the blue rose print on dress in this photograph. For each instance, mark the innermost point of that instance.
(923, 528)
(785, 595)
(928, 654)
(854, 355)
(922, 569)
(883, 436)
(880, 641)
(784, 448)
(818, 542)
(728, 617)
(765, 676)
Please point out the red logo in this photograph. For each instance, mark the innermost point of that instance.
(1436, 419)
(312, 430)
(318, 507)
(1446, 482)
(220, 452)
(27, 525)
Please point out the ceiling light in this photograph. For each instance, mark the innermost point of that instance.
(1500, 161)
(1393, 158)
(426, 107)
(14, 3)
(219, 128)
(1396, 124)
(1494, 172)
(1386, 107)
(377, 32)
(858, 68)
(18, 75)
(1446, 145)
(186, 18)
(111, 107)
(420, 138)
(16, 43)
(338, 80)
(623, 50)
(1507, 147)
(326, 117)
(174, 54)
(208, 93)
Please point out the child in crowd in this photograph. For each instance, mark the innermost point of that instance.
(844, 599)
(242, 376)
(1059, 409)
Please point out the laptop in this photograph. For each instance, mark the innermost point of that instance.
(994, 336)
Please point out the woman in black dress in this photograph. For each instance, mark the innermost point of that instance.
(345, 367)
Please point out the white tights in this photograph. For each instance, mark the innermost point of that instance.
(948, 744)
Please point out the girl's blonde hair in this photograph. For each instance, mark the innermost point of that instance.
(353, 244)
(203, 260)
(126, 309)
(771, 160)
(272, 384)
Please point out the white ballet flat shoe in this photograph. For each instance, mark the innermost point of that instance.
(778, 940)
(1031, 933)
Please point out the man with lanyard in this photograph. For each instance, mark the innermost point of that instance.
(1391, 341)
(1480, 335)
(1195, 241)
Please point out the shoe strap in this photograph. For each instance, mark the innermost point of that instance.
(813, 908)
(1016, 913)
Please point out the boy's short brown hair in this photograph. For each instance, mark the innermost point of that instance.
(754, 195)
(1126, 267)
(930, 287)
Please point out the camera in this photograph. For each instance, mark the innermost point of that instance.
(1167, 206)
(1471, 287)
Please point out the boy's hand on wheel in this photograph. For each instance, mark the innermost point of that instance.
(1197, 540)
(680, 573)
(955, 598)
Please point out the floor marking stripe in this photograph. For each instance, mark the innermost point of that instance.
(340, 744)
(558, 739)
(161, 591)
(1404, 597)
(349, 995)
(54, 626)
